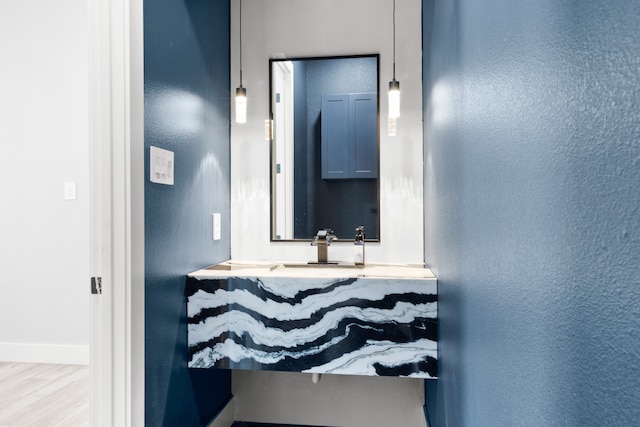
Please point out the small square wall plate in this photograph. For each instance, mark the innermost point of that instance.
(161, 166)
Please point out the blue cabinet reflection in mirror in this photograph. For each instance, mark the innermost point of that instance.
(349, 136)
(305, 199)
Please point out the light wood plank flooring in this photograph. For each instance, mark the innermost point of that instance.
(39, 395)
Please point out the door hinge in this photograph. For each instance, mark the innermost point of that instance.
(96, 286)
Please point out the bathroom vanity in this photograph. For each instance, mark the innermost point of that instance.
(378, 320)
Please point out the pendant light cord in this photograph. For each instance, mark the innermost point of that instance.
(241, 43)
(394, 39)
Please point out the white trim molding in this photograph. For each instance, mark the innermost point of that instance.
(44, 353)
(116, 130)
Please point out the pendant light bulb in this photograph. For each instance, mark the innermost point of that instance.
(394, 99)
(241, 105)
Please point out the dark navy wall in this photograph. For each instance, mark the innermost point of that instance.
(532, 178)
(353, 201)
(186, 111)
(301, 153)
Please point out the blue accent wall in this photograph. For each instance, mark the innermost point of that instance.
(186, 111)
(532, 203)
(301, 217)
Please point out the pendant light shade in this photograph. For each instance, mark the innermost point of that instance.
(241, 92)
(241, 105)
(392, 126)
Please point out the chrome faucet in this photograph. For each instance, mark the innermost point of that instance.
(322, 240)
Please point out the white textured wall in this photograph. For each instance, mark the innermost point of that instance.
(44, 274)
(295, 28)
(336, 400)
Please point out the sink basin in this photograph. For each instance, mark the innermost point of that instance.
(234, 265)
(319, 265)
(312, 270)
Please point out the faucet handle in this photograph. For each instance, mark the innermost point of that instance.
(325, 233)
(330, 236)
(325, 236)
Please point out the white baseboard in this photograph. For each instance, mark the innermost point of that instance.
(44, 353)
(225, 417)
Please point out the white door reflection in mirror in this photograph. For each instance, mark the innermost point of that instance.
(283, 140)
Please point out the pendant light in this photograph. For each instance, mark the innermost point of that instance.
(241, 93)
(394, 85)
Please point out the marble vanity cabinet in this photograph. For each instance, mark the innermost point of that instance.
(372, 320)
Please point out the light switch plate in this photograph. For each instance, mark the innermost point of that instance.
(70, 191)
(161, 166)
(216, 226)
(268, 130)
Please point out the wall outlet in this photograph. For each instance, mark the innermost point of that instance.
(216, 226)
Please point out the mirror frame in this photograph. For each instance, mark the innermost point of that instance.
(269, 128)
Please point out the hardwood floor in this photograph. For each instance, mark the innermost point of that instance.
(39, 395)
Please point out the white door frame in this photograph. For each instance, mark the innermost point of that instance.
(283, 127)
(116, 114)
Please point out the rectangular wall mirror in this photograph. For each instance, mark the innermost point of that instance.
(325, 145)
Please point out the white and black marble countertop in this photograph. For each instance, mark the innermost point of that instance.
(376, 320)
